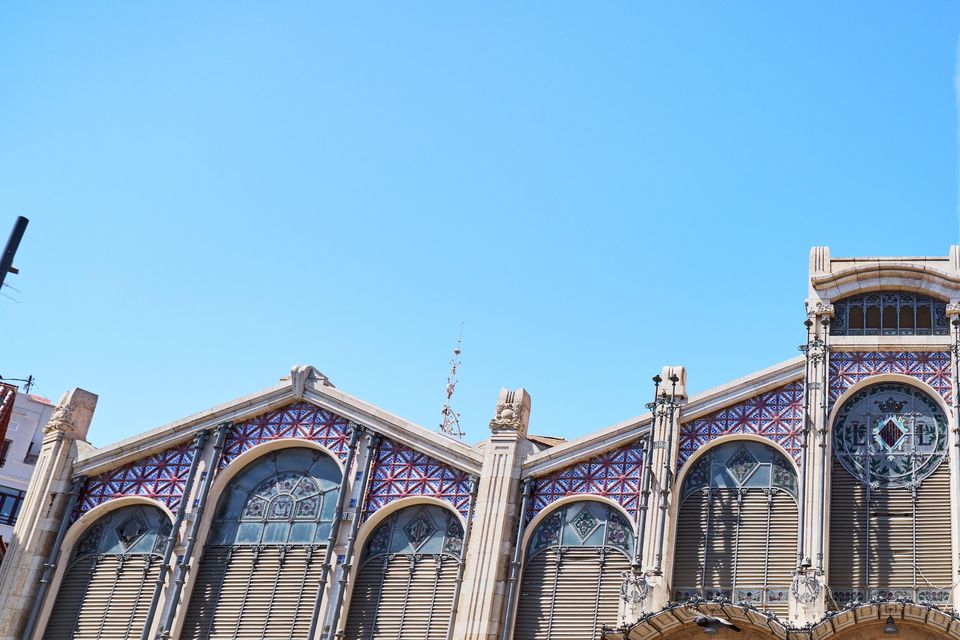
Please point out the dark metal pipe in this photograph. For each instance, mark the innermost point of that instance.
(334, 530)
(198, 444)
(54, 556)
(510, 603)
(10, 251)
(183, 567)
(667, 473)
(474, 483)
(802, 489)
(374, 440)
(645, 476)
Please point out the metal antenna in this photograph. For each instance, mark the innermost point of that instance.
(450, 424)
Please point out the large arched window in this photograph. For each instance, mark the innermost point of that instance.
(573, 571)
(889, 313)
(407, 577)
(109, 580)
(737, 527)
(890, 497)
(261, 565)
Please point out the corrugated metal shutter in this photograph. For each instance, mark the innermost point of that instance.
(570, 599)
(746, 549)
(244, 593)
(402, 597)
(691, 535)
(881, 530)
(105, 598)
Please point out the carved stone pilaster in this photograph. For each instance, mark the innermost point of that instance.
(496, 514)
(42, 510)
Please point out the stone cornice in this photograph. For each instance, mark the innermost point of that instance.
(316, 391)
(622, 433)
(863, 277)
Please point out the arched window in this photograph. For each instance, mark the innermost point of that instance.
(407, 577)
(261, 565)
(890, 497)
(109, 580)
(572, 573)
(889, 313)
(737, 527)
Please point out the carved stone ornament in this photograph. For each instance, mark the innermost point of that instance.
(513, 411)
(824, 310)
(953, 309)
(73, 414)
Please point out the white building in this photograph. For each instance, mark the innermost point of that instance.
(18, 456)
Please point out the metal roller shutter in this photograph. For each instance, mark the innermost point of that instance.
(720, 540)
(241, 593)
(849, 526)
(691, 536)
(933, 548)
(570, 599)
(104, 599)
(402, 597)
(782, 549)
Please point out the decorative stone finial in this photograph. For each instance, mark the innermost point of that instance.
(513, 411)
(668, 373)
(73, 414)
(301, 374)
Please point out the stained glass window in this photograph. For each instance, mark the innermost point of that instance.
(741, 464)
(889, 313)
(427, 529)
(588, 523)
(286, 497)
(891, 435)
(137, 529)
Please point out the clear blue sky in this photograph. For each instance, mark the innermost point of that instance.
(218, 192)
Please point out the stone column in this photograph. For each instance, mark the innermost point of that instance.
(43, 510)
(808, 593)
(482, 605)
(654, 592)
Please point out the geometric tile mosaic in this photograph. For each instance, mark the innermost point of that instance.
(849, 367)
(161, 476)
(298, 420)
(399, 471)
(614, 475)
(776, 415)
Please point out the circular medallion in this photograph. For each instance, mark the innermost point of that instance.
(890, 435)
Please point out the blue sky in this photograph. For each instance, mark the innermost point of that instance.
(218, 192)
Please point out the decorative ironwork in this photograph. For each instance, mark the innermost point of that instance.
(890, 434)
(741, 465)
(399, 471)
(583, 524)
(161, 476)
(776, 415)
(415, 531)
(889, 313)
(299, 420)
(450, 424)
(615, 475)
(849, 367)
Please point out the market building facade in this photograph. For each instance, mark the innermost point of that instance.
(814, 499)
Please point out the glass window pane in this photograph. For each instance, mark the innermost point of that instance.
(248, 533)
(302, 532)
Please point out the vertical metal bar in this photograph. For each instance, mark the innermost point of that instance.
(505, 633)
(51, 563)
(736, 543)
(303, 584)
(334, 531)
(553, 594)
(645, 476)
(866, 584)
(199, 443)
(438, 562)
(766, 547)
(804, 437)
(372, 442)
(706, 539)
(411, 569)
(462, 562)
(173, 601)
(667, 475)
(824, 395)
(596, 601)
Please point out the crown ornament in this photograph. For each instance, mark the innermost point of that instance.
(890, 405)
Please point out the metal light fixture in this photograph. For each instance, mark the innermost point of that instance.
(890, 628)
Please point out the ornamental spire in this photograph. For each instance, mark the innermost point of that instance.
(450, 423)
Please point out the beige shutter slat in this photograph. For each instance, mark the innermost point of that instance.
(394, 602)
(242, 595)
(688, 554)
(563, 602)
(104, 600)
